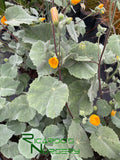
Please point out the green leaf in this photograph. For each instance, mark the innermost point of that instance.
(117, 98)
(4, 113)
(48, 96)
(25, 147)
(86, 51)
(42, 31)
(53, 131)
(78, 98)
(15, 60)
(35, 122)
(92, 92)
(8, 86)
(116, 119)
(82, 70)
(89, 127)
(5, 134)
(103, 108)
(81, 141)
(19, 109)
(16, 15)
(10, 149)
(114, 44)
(106, 142)
(75, 157)
(79, 26)
(20, 157)
(40, 55)
(72, 32)
(17, 127)
(2, 102)
(8, 70)
(61, 148)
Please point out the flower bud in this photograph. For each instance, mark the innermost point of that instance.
(68, 20)
(82, 45)
(5, 59)
(60, 16)
(54, 15)
(95, 108)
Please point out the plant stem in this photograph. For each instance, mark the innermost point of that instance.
(69, 110)
(106, 39)
(56, 52)
(59, 70)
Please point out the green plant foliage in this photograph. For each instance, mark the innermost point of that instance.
(8, 70)
(116, 119)
(81, 141)
(19, 109)
(22, 145)
(114, 44)
(20, 157)
(15, 60)
(48, 96)
(36, 120)
(44, 33)
(16, 15)
(4, 113)
(105, 142)
(40, 55)
(10, 149)
(2, 102)
(5, 133)
(55, 104)
(89, 127)
(17, 127)
(8, 86)
(78, 69)
(72, 32)
(92, 92)
(78, 98)
(117, 98)
(103, 108)
(61, 156)
(53, 131)
(75, 157)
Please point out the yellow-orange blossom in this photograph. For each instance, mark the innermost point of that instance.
(94, 120)
(74, 2)
(3, 20)
(113, 113)
(101, 5)
(53, 62)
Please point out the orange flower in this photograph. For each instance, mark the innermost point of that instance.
(117, 57)
(53, 62)
(42, 19)
(113, 113)
(54, 15)
(3, 20)
(94, 120)
(101, 6)
(74, 2)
